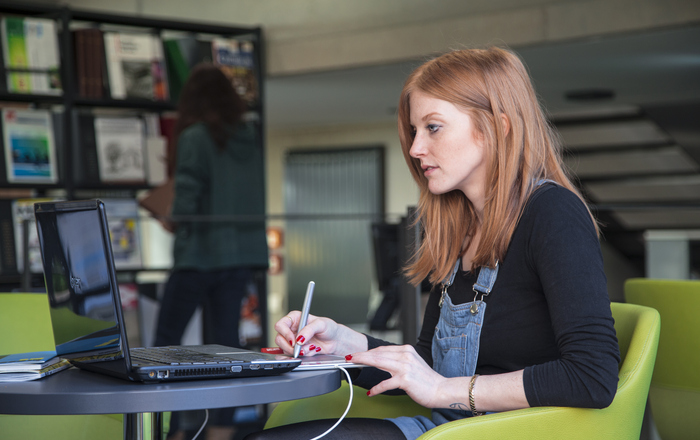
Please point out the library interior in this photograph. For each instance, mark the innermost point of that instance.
(294, 169)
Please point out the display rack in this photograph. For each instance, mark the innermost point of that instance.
(70, 103)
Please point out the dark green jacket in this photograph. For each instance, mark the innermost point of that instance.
(218, 185)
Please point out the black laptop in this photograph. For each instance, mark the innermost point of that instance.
(86, 309)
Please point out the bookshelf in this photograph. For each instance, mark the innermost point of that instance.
(76, 175)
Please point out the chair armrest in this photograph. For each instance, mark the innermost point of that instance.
(540, 423)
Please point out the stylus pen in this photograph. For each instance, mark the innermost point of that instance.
(304, 314)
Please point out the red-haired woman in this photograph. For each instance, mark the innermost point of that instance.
(519, 315)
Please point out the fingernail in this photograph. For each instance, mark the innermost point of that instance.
(301, 339)
(291, 342)
(301, 352)
(368, 393)
(318, 349)
(312, 347)
(348, 357)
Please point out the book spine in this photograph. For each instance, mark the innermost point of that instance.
(79, 46)
(16, 55)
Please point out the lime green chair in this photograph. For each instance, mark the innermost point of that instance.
(638, 333)
(25, 325)
(674, 395)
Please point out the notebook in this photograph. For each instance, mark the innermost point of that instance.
(86, 312)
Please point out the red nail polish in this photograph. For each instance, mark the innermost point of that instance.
(318, 349)
(301, 339)
(348, 357)
(301, 352)
(368, 393)
(291, 342)
(312, 347)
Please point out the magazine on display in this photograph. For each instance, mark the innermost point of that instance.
(30, 47)
(135, 66)
(30, 154)
(123, 221)
(235, 58)
(120, 149)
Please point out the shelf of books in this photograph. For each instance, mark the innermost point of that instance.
(87, 109)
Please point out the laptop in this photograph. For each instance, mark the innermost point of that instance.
(86, 312)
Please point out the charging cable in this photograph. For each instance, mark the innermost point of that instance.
(206, 419)
(347, 375)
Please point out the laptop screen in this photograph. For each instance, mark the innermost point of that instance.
(82, 293)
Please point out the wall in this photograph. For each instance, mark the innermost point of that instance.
(401, 191)
(314, 35)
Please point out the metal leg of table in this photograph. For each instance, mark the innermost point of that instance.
(136, 426)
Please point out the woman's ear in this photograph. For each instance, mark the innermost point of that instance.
(506, 123)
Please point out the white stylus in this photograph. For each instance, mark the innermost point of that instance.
(304, 314)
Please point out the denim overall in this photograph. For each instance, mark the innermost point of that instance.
(455, 347)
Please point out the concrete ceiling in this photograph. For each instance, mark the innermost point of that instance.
(627, 107)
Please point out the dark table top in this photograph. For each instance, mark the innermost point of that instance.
(76, 391)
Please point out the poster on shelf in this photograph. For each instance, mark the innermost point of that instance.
(120, 149)
(30, 153)
(123, 222)
(30, 47)
(135, 66)
(23, 216)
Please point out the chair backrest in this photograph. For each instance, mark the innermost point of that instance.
(675, 387)
(25, 324)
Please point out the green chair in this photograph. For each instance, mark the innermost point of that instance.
(25, 325)
(637, 331)
(674, 395)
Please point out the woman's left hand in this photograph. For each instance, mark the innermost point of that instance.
(408, 370)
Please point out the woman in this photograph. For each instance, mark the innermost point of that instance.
(218, 214)
(519, 315)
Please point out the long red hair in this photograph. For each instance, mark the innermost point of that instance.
(485, 84)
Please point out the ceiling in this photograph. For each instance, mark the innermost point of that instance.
(627, 107)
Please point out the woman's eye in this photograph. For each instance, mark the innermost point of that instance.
(433, 128)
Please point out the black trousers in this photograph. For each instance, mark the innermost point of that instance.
(221, 292)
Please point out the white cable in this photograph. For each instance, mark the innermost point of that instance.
(347, 375)
(206, 419)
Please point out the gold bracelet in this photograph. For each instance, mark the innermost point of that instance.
(471, 397)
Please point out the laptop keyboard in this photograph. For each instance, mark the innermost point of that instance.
(181, 356)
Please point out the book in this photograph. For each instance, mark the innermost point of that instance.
(30, 366)
(30, 154)
(159, 201)
(123, 220)
(89, 62)
(31, 55)
(15, 53)
(235, 59)
(120, 149)
(135, 66)
(42, 55)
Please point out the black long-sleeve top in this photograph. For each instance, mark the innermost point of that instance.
(548, 312)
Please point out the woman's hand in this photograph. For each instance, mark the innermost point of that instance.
(320, 336)
(408, 370)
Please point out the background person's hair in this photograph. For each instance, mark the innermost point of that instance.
(485, 84)
(209, 97)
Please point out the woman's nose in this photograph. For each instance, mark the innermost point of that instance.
(417, 148)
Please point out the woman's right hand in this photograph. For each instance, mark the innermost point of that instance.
(320, 336)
